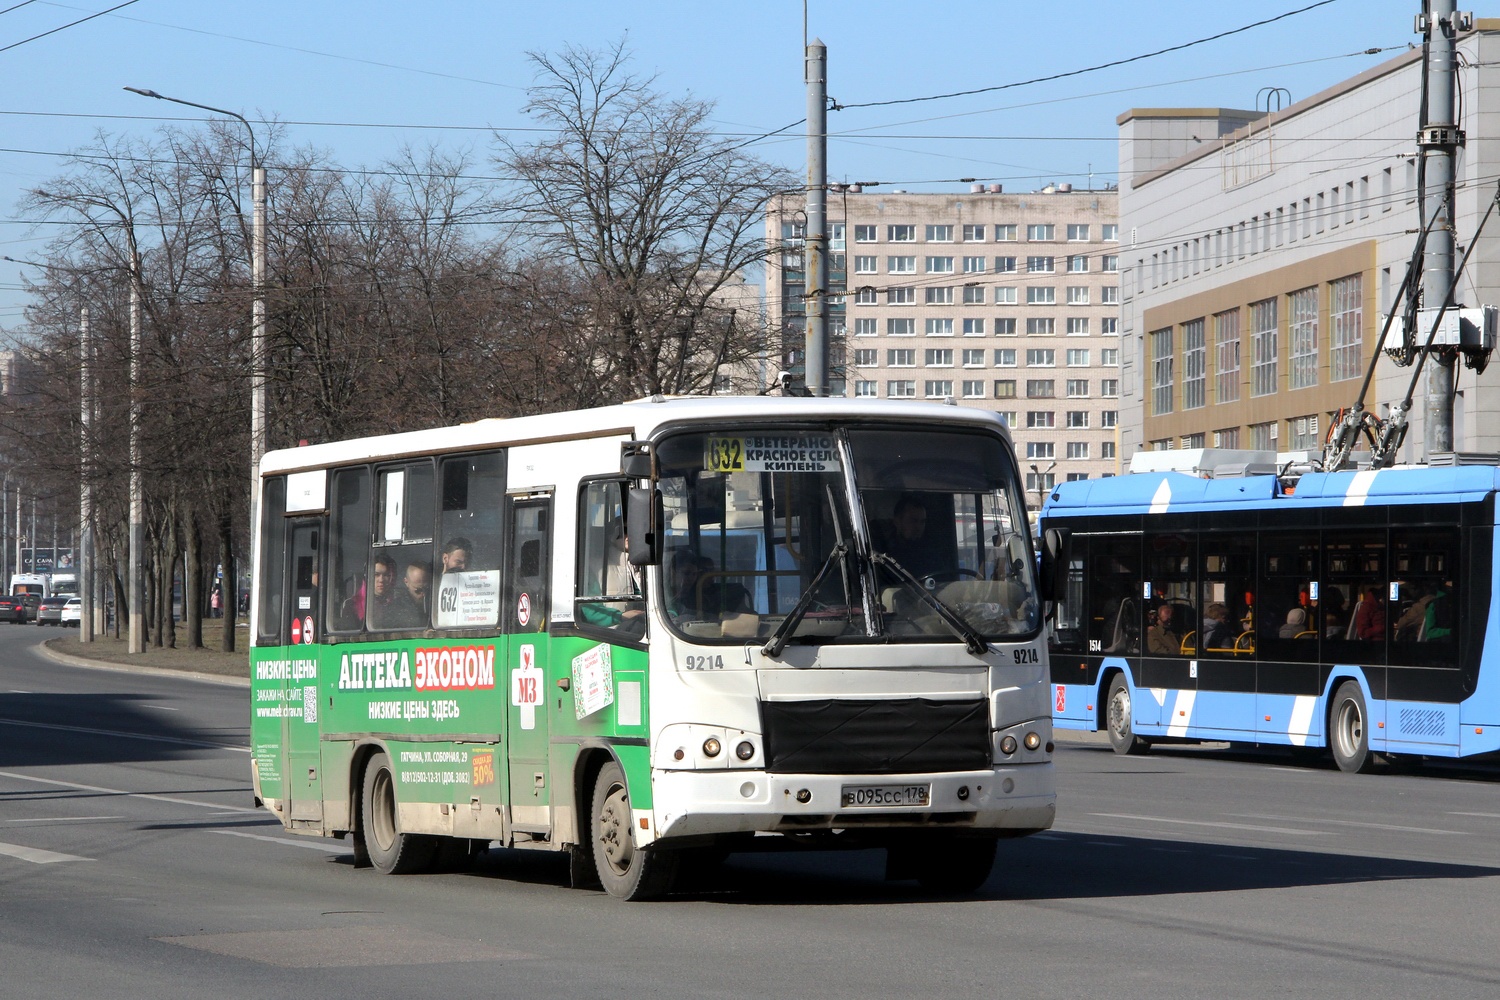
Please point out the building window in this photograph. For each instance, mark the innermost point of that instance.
(1008, 416)
(1110, 326)
(1040, 326)
(1110, 263)
(1078, 449)
(940, 328)
(1263, 348)
(973, 357)
(1109, 232)
(901, 234)
(973, 295)
(1005, 265)
(1346, 312)
(1109, 387)
(1078, 295)
(939, 265)
(1040, 449)
(1302, 434)
(1192, 440)
(1078, 388)
(901, 265)
(864, 389)
(900, 328)
(1078, 357)
(1106, 449)
(1109, 295)
(1005, 388)
(866, 295)
(1078, 264)
(1109, 419)
(901, 388)
(1041, 265)
(1194, 366)
(1229, 437)
(1078, 419)
(1005, 295)
(866, 357)
(1041, 295)
(1005, 326)
(1040, 482)
(1227, 356)
(939, 388)
(1263, 436)
(1109, 357)
(1005, 357)
(1304, 337)
(864, 234)
(1078, 232)
(866, 265)
(1041, 357)
(1040, 388)
(938, 357)
(973, 388)
(940, 296)
(1162, 373)
(974, 265)
(901, 357)
(1078, 326)
(973, 328)
(900, 296)
(1040, 232)
(1041, 419)
(973, 234)
(940, 234)
(1005, 233)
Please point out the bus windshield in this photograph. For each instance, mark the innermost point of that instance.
(760, 523)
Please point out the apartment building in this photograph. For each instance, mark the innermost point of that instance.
(1008, 302)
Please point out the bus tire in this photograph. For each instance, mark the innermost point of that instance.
(625, 871)
(1348, 730)
(1117, 719)
(956, 864)
(391, 851)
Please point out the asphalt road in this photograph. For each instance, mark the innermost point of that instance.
(133, 865)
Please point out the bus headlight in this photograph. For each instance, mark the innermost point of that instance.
(1033, 741)
(711, 747)
(1008, 745)
(745, 750)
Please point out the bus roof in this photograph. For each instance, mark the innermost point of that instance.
(1163, 492)
(639, 419)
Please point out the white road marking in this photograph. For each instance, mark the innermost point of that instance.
(1479, 815)
(126, 736)
(36, 855)
(1367, 826)
(284, 842)
(62, 819)
(240, 810)
(1224, 826)
(164, 708)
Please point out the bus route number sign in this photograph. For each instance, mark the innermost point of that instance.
(771, 453)
(724, 454)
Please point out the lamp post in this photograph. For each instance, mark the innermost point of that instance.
(1041, 491)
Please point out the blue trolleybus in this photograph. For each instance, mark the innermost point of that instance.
(1351, 613)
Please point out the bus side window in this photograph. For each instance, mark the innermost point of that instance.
(349, 553)
(272, 559)
(610, 592)
(466, 576)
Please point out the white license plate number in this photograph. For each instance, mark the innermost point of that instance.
(892, 796)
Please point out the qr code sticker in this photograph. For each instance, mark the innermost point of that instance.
(310, 704)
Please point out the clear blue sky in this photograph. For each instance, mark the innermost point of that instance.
(382, 73)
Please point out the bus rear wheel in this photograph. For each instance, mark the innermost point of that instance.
(625, 871)
(1117, 718)
(1349, 734)
(391, 851)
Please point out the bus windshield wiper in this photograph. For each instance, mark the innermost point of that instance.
(778, 639)
(955, 621)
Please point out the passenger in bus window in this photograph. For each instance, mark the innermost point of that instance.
(1437, 624)
(1218, 634)
(1369, 616)
(1296, 624)
(409, 608)
(1409, 625)
(375, 606)
(1163, 638)
(1330, 604)
(909, 542)
(455, 554)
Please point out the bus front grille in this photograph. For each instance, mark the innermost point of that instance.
(902, 736)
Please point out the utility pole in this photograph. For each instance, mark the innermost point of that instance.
(86, 487)
(816, 233)
(133, 587)
(1437, 141)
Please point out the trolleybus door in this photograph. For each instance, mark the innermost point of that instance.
(527, 607)
(302, 629)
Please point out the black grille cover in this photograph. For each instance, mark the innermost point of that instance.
(840, 736)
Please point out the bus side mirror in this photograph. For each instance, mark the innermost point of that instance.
(1054, 564)
(635, 460)
(643, 517)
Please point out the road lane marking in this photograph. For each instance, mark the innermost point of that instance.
(1369, 826)
(62, 819)
(284, 842)
(36, 855)
(1479, 815)
(135, 795)
(1222, 826)
(126, 736)
(164, 708)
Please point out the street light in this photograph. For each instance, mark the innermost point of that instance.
(1040, 489)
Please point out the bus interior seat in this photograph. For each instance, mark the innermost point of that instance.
(1126, 628)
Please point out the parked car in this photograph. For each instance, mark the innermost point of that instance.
(32, 602)
(12, 609)
(49, 612)
(72, 612)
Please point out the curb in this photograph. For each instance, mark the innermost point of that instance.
(131, 668)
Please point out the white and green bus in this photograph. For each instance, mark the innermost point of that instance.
(656, 630)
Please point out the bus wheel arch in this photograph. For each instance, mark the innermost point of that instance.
(391, 852)
(1118, 716)
(625, 870)
(1349, 728)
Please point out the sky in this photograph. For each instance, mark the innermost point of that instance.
(359, 79)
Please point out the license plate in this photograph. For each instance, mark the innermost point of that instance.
(897, 796)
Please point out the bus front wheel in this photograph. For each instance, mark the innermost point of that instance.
(625, 871)
(1118, 719)
(1349, 730)
(391, 852)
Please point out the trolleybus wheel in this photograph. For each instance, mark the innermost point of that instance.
(956, 864)
(1349, 735)
(1117, 719)
(624, 870)
(391, 851)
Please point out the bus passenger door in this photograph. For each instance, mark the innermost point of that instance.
(526, 607)
(301, 630)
